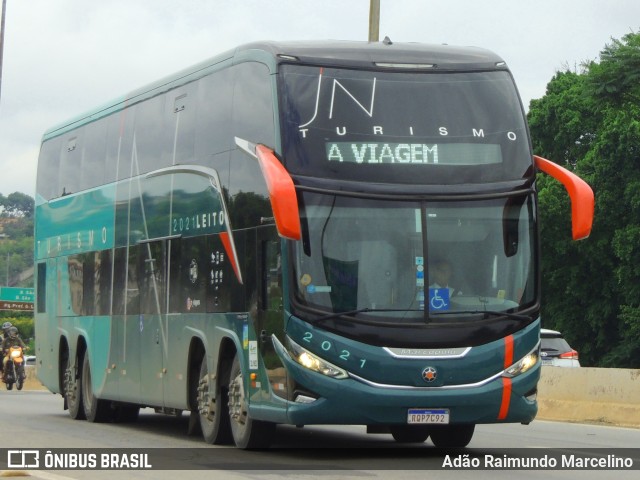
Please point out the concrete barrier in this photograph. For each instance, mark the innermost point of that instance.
(587, 395)
(590, 395)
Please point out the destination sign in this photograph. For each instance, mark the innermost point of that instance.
(413, 153)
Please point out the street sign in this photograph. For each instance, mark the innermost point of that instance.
(14, 298)
(16, 294)
(20, 306)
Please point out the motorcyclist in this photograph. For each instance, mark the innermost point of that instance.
(11, 339)
(4, 334)
(5, 329)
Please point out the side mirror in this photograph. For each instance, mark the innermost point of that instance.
(282, 192)
(580, 193)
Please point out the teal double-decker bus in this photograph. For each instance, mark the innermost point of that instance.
(260, 240)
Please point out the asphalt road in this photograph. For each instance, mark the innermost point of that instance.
(38, 421)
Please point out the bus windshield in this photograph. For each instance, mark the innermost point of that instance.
(386, 258)
(421, 128)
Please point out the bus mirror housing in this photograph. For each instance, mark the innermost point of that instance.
(580, 193)
(282, 192)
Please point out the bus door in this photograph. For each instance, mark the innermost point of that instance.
(270, 319)
(153, 257)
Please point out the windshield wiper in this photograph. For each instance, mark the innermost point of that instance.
(363, 310)
(494, 313)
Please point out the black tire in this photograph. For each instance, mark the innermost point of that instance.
(72, 388)
(9, 376)
(20, 376)
(410, 433)
(452, 436)
(247, 432)
(213, 409)
(95, 410)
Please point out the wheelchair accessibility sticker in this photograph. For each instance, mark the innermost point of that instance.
(438, 299)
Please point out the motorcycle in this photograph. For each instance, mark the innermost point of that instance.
(14, 369)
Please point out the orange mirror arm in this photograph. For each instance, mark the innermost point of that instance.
(582, 199)
(282, 194)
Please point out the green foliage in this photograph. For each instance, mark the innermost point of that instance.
(24, 324)
(16, 256)
(16, 205)
(590, 123)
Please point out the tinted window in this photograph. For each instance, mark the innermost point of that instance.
(102, 282)
(71, 162)
(213, 128)
(94, 150)
(181, 106)
(555, 343)
(252, 121)
(48, 168)
(152, 147)
(42, 288)
(120, 281)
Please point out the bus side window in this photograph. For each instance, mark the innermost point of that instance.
(271, 276)
(152, 277)
(132, 284)
(41, 300)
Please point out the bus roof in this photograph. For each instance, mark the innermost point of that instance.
(369, 54)
(336, 53)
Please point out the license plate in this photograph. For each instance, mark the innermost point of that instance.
(428, 416)
(547, 362)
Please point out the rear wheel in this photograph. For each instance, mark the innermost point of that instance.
(452, 436)
(95, 410)
(247, 432)
(213, 409)
(20, 376)
(409, 433)
(72, 383)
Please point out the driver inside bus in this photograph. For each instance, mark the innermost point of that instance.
(441, 273)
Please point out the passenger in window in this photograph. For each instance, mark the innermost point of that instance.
(441, 273)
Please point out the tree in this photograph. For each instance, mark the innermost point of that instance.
(589, 122)
(17, 204)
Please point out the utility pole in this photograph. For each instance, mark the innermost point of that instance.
(4, 11)
(374, 20)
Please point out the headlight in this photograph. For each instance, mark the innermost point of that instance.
(524, 364)
(311, 361)
(16, 353)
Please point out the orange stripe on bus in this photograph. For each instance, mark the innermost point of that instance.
(506, 382)
(506, 398)
(508, 351)
(231, 254)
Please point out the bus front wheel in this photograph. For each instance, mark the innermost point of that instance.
(409, 433)
(247, 432)
(452, 436)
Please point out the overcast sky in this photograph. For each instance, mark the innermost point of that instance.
(65, 57)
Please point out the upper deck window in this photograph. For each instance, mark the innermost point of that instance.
(397, 127)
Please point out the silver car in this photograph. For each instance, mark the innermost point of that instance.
(555, 351)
